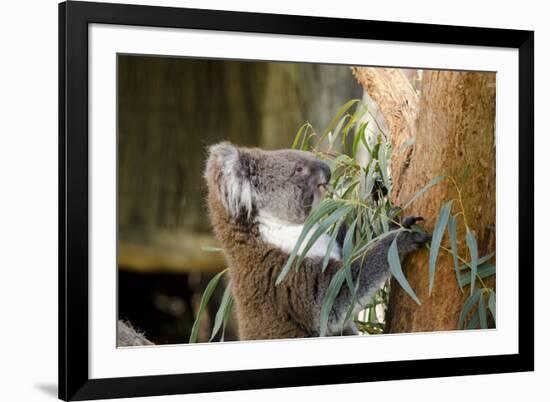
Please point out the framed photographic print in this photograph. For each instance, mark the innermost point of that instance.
(258, 201)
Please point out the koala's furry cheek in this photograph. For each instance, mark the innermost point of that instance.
(234, 187)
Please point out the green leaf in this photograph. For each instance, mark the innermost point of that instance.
(301, 132)
(432, 183)
(326, 207)
(338, 129)
(365, 141)
(397, 272)
(385, 223)
(369, 185)
(359, 136)
(472, 245)
(353, 290)
(226, 317)
(322, 228)
(437, 236)
(360, 111)
(204, 301)
(328, 301)
(483, 271)
(363, 184)
(492, 306)
(210, 249)
(336, 119)
(356, 139)
(341, 159)
(474, 321)
(364, 248)
(347, 253)
(220, 314)
(330, 246)
(383, 163)
(351, 186)
(347, 247)
(482, 312)
(468, 304)
(481, 260)
(305, 141)
(454, 247)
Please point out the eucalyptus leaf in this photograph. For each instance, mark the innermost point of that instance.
(321, 229)
(328, 301)
(347, 247)
(468, 304)
(324, 208)
(210, 249)
(437, 236)
(397, 272)
(480, 260)
(454, 247)
(337, 118)
(482, 312)
(360, 111)
(483, 271)
(305, 142)
(299, 135)
(472, 245)
(353, 290)
(364, 248)
(383, 163)
(220, 314)
(330, 246)
(226, 316)
(370, 180)
(342, 159)
(338, 129)
(350, 189)
(492, 306)
(204, 301)
(347, 252)
(359, 136)
(474, 320)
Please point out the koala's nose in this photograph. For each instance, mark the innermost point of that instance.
(325, 169)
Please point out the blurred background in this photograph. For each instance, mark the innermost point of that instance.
(169, 111)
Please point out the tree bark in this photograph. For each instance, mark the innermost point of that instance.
(128, 336)
(398, 102)
(453, 126)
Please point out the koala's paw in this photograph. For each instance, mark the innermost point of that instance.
(412, 241)
(408, 221)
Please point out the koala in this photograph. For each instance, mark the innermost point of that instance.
(258, 201)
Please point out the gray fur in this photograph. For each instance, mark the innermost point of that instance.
(282, 184)
(281, 188)
(372, 273)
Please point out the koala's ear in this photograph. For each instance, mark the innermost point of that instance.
(230, 167)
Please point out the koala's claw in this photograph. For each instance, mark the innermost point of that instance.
(411, 220)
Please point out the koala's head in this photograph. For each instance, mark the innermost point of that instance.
(282, 185)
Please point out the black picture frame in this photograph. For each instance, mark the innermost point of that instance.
(74, 18)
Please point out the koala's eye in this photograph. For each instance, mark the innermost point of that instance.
(299, 169)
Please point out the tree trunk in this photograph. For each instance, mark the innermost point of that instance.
(128, 336)
(453, 126)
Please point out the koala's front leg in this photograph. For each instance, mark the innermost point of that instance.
(373, 271)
